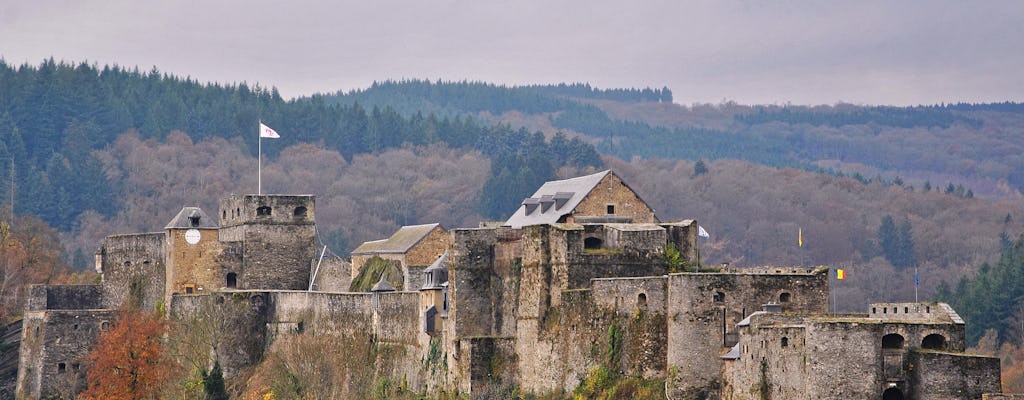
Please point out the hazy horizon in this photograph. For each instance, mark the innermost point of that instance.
(796, 52)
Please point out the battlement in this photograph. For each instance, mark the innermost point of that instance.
(267, 209)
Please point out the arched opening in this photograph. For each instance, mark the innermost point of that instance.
(784, 297)
(300, 211)
(224, 214)
(718, 297)
(892, 341)
(892, 394)
(263, 210)
(231, 281)
(785, 341)
(592, 243)
(934, 341)
(641, 300)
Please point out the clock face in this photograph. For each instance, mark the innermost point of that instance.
(192, 236)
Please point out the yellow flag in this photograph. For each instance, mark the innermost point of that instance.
(800, 237)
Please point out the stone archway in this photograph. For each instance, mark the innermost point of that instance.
(892, 394)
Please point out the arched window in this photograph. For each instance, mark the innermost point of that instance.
(231, 280)
(300, 211)
(892, 341)
(263, 210)
(641, 300)
(592, 243)
(718, 297)
(784, 297)
(224, 214)
(934, 341)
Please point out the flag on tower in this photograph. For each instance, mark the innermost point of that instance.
(701, 232)
(266, 132)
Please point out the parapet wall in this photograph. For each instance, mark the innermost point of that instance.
(942, 376)
(64, 297)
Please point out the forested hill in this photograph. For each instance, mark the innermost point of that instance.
(971, 145)
(52, 117)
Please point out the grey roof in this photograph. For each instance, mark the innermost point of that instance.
(436, 275)
(554, 199)
(400, 242)
(184, 220)
(383, 285)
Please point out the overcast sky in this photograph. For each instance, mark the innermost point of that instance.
(800, 52)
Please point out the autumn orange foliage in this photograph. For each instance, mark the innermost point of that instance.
(126, 363)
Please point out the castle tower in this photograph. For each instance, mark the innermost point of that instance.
(269, 240)
(434, 296)
(192, 249)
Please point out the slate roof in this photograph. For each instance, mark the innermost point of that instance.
(383, 285)
(184, 220)
(398, 243)
(554, 199)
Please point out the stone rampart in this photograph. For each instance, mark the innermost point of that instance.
(64, 297)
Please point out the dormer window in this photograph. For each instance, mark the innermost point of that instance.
(194, 221)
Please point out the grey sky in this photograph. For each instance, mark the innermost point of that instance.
(803, 52)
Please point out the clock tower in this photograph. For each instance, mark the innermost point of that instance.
(191, 249)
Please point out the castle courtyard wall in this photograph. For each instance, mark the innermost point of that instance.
(54, 344)
(949, 376)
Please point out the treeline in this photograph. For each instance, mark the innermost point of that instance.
(902, 117)
(993, 299)
(52, 117)
(585, 91)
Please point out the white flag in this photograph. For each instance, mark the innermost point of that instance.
(701, 232)
(266, 132)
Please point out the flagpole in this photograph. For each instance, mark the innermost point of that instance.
(259, 161)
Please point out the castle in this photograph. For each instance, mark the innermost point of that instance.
(578, 277)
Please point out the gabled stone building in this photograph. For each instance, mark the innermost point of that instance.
(414, 247)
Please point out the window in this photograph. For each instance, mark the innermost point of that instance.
(610, 209)
(231, 280)
(263, 210)
(61, 367)
(224, 214)
(906, 310)
(300, 211)
(784, 297)
(194, 221)
(641, 300)
(785, 341)
(718, 297)
(592, 243)
(189, 289)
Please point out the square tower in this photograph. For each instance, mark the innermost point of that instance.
(269, 239)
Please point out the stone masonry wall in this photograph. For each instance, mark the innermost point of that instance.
(133, 269)
(704, 308)
(194, 266)
(64, 297)
(430, 248)
(612, 191)
(948, 376)
(54, 345)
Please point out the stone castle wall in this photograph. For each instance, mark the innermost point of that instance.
(704, 308)
(948, 376)
(64, 297)
(133, 270)
(193, 267)
(54, 344)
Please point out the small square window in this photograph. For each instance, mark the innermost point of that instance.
(610, 209)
